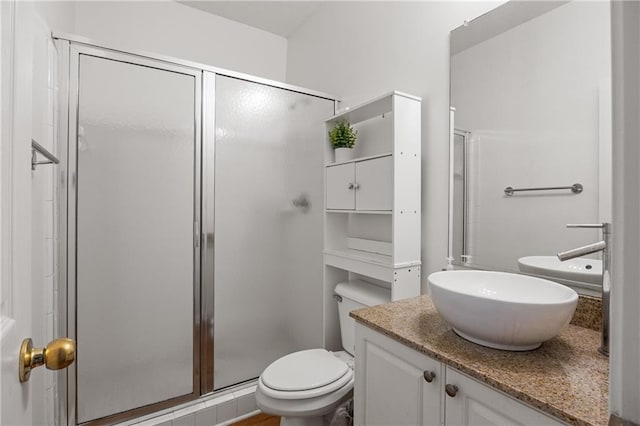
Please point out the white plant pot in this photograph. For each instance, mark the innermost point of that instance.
(343, 154)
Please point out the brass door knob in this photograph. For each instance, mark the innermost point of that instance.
(59, 353)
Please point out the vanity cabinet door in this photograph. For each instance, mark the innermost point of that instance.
(477, 404)
(390, 383)
(340, 187)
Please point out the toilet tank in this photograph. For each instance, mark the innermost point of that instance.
(356, 294)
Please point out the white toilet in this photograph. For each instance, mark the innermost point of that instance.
(303, 387)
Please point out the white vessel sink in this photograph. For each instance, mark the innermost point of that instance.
(579, 269)
(501, 310)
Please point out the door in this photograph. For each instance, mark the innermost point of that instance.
(374, 184)
(340, 187)
(473, 403)
(460, 207)
(363, 185)
(26, 211)
(15, 234)
(134, 234)
(267, 226)
(395, 385)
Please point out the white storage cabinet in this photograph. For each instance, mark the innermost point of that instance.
(372, 203)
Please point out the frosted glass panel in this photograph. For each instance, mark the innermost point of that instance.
(268, 245)
(459, 189)
(135, 255)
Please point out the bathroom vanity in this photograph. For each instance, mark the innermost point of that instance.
(413, 369)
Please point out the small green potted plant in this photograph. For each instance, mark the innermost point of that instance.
(343, 138)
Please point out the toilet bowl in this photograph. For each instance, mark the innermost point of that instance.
(305, 388)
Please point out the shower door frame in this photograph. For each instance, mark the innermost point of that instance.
(69, 47)
(466, 136)
(68, 132)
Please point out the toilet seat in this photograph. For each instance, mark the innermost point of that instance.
(303, 408)
(305, 374)
(305, 394)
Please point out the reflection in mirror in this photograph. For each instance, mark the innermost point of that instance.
(531, 89)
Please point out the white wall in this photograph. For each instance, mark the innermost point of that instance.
(362, 49)
(530, 98)
(173, 29)
(44, 241)
(56, 15)
(44, 218)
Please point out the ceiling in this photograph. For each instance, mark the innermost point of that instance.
(277, 17)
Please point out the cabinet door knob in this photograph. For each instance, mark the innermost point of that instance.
(451, 390)
(356, 186)
(350, 186)
(429, 376)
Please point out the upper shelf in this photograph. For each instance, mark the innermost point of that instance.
(383, 212)
(355, 160)
(373, 108)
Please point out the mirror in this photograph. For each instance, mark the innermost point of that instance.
(531, 108)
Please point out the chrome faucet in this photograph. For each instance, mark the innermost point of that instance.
(605, 247)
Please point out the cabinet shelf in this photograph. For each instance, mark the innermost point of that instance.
(373, 265)
(362, 256)
(373, 108)
(355, 160)
(360, 211)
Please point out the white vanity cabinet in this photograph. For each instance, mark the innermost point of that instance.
(364, 185)
(392, 388)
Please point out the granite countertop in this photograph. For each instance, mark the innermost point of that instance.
(567, 377)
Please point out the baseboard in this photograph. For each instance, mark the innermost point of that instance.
(219, 408)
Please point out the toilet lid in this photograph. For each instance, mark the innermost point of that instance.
(304, 370)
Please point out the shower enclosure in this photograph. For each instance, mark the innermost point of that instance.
(192, 208)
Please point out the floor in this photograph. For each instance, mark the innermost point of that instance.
(260, 420)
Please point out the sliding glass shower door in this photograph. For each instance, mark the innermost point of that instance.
(134, 164)
(159, 319)
(269, 156)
